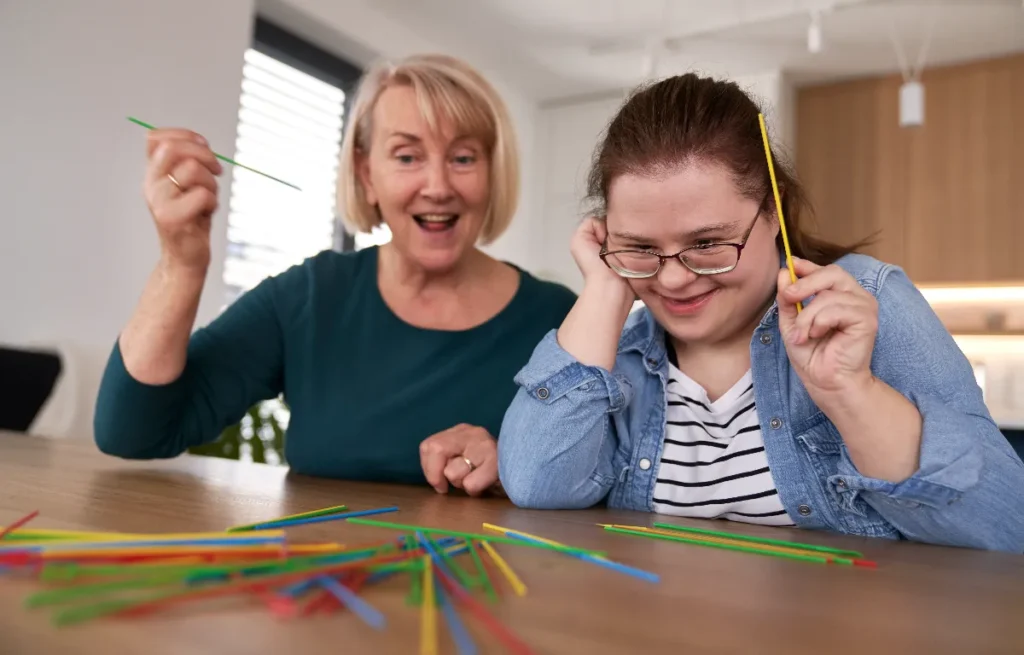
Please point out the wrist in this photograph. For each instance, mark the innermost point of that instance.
(174, 270)
(853, 397)
(613, 292)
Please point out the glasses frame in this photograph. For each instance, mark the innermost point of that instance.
(679, 255)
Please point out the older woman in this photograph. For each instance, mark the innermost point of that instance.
(397, 361)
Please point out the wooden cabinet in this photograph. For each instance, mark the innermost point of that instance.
(945, 200)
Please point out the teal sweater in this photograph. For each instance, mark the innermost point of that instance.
(364, 387)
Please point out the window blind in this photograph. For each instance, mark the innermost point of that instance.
(289, 126)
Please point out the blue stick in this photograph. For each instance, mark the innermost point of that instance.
(322, 519)
(359, 607)
(600, 561)
(463, 642)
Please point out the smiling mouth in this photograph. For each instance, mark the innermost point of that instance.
(436, 222)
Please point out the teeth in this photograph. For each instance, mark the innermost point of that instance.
(436, 218)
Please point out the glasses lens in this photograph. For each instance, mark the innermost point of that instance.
(712, 259)
(632, 262)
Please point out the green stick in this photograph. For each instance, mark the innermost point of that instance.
(464, 577)
(742, 549)
(482, 571)
(478, 537)
(224, 159)
(760, 540)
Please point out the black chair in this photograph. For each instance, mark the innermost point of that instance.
(27, 379)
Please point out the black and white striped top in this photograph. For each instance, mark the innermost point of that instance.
(713, 464)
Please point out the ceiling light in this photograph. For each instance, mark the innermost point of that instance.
(814, 36)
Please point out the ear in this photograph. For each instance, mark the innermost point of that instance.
(363, 173)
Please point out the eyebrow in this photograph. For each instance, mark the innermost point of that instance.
(416, 139)
(700, 231)
(406, 135)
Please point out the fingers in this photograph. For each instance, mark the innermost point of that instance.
(457, 469)
(190, 173)
(436, 450)
(831, 310)
(483, 476)
(481, 471)
(199, 201)
(599, 229)
(170, 152)
(813, 279)
(158, 136)
(444, 456)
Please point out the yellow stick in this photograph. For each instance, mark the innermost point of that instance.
(428, 613)
(116, 536)
(550, 542)
(778, 205)
(517, 585)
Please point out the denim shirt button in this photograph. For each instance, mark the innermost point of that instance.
(805, 510)
(840, 484)
(543, 393)
(766, 338)
(652, 362)
(645, 464)
(776, 423)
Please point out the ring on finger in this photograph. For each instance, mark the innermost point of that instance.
(470, 464)
(175, 182)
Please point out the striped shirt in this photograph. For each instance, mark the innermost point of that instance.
(713, 464)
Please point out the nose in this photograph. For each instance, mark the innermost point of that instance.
(437, 187)
(674, 275)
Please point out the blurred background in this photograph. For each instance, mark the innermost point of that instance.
(905, 118)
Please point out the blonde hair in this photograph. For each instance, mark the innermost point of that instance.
(447, 90)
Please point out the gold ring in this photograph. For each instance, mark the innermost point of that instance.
(175, 182)
(469, 464)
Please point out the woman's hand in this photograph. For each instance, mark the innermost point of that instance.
(831, 341)
(830, 344)
(465, 456)
(586, 250)
(182, 207)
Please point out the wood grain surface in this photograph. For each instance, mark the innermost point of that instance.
(921, 599)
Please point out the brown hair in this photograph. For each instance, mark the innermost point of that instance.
(686, 119)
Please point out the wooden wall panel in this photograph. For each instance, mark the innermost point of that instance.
(947, 197)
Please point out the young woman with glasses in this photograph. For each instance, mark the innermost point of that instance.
(719, 398)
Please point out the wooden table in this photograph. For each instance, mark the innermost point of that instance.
(922, 599)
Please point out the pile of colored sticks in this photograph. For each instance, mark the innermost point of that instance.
(93, 575)
(745, 544)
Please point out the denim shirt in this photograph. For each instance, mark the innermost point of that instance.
(578, 435)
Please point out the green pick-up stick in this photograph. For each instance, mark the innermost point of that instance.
(223, 158)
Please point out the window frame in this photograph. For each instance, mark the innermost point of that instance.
(274, 41)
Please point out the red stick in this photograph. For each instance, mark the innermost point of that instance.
(17, 524)
(485, 617)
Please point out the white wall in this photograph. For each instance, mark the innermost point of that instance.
(76, 241)
(571, 131)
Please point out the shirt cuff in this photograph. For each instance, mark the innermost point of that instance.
(951, 459)
(552, 373)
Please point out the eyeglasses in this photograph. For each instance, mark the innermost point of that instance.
(702, 259)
